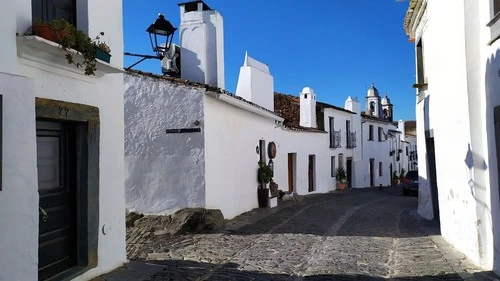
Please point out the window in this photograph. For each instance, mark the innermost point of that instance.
(347, 130)
(380, 133)
(312, 172)
(380, 169)
(46, 10)
(331, 130)
(332, 165)
(370, 132)
(496, 7)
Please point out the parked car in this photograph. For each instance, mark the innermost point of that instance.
(410, 182)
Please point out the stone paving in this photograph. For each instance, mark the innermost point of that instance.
(351, 235)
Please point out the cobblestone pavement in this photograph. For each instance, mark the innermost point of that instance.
(353, 235)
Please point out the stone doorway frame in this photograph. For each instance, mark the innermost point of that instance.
(88, 139)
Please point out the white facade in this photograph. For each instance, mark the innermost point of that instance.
(255, 83)
(34, 68)
(202, 44)
(377, 163)
(153, 156)
(458, 54)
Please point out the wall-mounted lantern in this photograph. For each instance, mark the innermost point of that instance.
(160, 33)
(161, 28)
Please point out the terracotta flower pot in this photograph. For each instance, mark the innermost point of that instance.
(46, 32)
(341, 185)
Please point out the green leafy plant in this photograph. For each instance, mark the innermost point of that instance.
(341, 174)
(264, 173)
(70, 38)
(402, 174)
(395, 175)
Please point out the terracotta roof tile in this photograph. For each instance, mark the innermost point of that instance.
(410, 128)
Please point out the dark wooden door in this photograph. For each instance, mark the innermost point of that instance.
(349, 172)
(372, 183)
(291, 174)
(311, 172)
(431, 160)
(56, 163)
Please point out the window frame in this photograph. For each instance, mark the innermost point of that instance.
(45, 16)
(494, 23)
(331, 125)
(370, 132)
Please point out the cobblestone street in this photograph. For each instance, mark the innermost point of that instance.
(353, 235)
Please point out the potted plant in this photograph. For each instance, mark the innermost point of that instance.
(102, 49)
(341, 177)
(395, 178)
(69, 38)
(402, 175)
(264, 176)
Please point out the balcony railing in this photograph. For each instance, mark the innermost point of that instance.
(335, 139)
(351, 140)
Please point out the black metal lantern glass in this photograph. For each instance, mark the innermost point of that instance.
(271, 165)
(161, 28)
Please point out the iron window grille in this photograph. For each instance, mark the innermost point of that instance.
(351, 140)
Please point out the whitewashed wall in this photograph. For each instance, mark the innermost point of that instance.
(377, 150)
(464, 139)
(232, 135)
(489, 196)
(163, 172)
(21, 81)
(231, 158)
(19, 195)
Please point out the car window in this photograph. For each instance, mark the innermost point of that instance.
(412, 174)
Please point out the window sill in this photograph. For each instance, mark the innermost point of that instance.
(34, 50)
(494, 26)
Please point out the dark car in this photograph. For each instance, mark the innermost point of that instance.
(410, 182)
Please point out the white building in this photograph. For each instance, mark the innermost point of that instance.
(379, 142)
(61, 192)
(408, 145)
(457, 83)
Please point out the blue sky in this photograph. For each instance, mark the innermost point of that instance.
(336, 47)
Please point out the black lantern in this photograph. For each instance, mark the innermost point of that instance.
(271, 165)
(161, 28)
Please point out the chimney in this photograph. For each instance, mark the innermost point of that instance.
(352, 104)
(255, 83)
(202, 44)
(308, 108)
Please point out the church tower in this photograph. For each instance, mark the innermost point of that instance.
(373, 105)
(386, 108)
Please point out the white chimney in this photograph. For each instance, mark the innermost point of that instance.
(308, 108)
(202, 44)
(255, 83)
(352, 104)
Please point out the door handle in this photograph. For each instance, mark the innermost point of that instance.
(44, 214)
